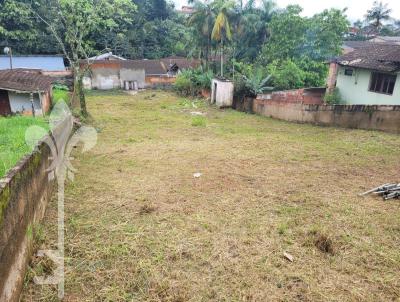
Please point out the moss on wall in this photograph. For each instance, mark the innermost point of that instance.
(4, 200)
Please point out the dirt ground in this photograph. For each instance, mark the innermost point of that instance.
(141, 227)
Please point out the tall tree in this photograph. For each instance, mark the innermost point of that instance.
(222, 30)
(17, 24)
(378, 13)
(252, 28)
(72, 21)
(203, 21)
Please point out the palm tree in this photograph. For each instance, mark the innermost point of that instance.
(378, 13)
(222, 29)
(203, 20)
(253, 29)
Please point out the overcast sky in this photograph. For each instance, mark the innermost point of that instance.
(356, 8)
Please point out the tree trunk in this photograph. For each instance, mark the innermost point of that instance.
(222, 57)
(78, 90)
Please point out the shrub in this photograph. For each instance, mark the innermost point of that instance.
(256, 82)
(190, 82)
(252, 81)
(334, 98)
(286, 75)
(183, 84)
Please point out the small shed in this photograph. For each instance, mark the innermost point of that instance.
(222, 93)
(24, 92)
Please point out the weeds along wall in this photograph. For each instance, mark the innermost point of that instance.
(24, 194)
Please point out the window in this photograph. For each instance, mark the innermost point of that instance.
(348, 72)
(382, 83)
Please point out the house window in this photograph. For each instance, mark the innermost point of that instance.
(348, 72)
(382, 83)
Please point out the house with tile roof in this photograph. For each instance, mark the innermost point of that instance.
(368, 75)
(24, 91)
(126, 74)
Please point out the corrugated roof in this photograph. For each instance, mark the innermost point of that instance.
(376, 56)
(24, 80)
(42, 62)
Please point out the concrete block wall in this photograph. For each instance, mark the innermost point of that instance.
(24, 194)
(378, 117)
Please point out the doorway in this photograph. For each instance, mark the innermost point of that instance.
(5, 108)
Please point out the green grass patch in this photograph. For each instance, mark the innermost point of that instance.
(60, 95)
(199, 121)
(12, 139)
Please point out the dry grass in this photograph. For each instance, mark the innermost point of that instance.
(140, 227)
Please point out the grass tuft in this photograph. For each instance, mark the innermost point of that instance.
(199, 121)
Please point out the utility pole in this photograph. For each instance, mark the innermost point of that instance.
(8, 51)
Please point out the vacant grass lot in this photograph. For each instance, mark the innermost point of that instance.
(140, 227)
(12, 139)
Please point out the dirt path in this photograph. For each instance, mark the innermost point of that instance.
(140, 227)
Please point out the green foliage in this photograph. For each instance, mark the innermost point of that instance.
(334, 98)
(183, 84)
(288, 30)
(286, 75)
(199, 121)
(294, 36)
(12, 139)
(61, 94)
(315, 72)
(190, 82)
(256, 82)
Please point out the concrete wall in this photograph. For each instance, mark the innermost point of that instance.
(131, 75)
(222, 93)
(385, 118)
(105, 78)
(21, 103)
(24, 194)
(355, 89)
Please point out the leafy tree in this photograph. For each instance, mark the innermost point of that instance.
(17, 24)
(378, 13)
(315, 72)
(288, 30)
(72, 21)
(324, 35)
(286, 75)
(252, 28)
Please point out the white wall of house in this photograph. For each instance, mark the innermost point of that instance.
(132, 75)
(105, 78)
(20, 102)
(355, 89)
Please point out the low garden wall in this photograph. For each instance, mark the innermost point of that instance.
(380, 117)
(24, 194)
